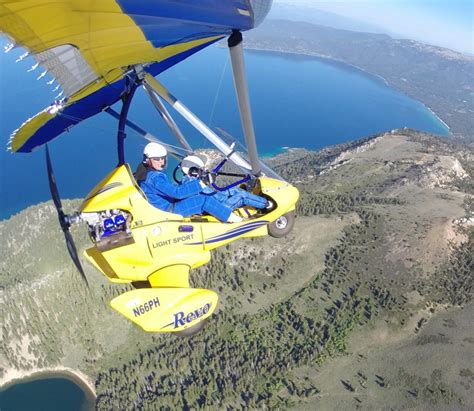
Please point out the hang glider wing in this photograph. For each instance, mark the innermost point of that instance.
(89, 47)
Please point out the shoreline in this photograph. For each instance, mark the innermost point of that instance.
(354, 67)
(14, 376)
(437, 117)
(328, 59)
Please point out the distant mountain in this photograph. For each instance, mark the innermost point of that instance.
(440, 78)
(367, 304)
(283, 11)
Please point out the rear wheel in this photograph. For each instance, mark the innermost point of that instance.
(193, 330)
(282, 225)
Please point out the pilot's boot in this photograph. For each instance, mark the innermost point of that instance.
(234, 218)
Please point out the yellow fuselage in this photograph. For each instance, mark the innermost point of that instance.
(162, 239)
(162, 247)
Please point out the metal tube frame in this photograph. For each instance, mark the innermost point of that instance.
(154, 86)
(156, 90)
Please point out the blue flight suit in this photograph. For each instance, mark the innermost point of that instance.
(184, 199)
(233, 197)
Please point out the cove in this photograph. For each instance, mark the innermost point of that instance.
(48, 392)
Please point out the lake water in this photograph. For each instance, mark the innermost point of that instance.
(296, 101)
(49, 393)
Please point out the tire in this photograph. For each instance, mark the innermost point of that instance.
(282, 225)
(193, 330)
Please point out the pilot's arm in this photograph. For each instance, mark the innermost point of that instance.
(162, 184)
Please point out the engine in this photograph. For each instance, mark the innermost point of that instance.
(110, 228)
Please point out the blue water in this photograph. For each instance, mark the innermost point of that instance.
(47, 394)
(296, 101)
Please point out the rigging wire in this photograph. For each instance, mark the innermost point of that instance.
(218, 91)
(107, 130)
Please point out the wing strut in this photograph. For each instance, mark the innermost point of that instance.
(240, 80)
(153, 86)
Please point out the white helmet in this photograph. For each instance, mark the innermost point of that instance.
(189, 162)
(152, 150)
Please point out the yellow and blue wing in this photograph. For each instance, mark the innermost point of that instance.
(89, 46)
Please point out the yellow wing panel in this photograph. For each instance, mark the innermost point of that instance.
(29, 127)
(40, 25)
(106, 37)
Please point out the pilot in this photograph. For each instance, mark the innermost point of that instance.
(186, 199)
(193, 168)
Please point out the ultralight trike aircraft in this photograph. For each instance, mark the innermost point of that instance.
(100, 52)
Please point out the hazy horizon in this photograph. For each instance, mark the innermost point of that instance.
(436, 22)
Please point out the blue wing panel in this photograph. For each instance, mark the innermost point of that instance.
(161, 32)
(180, 21)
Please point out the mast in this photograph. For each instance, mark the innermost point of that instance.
(241, 87)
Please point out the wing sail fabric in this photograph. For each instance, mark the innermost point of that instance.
(66, 64)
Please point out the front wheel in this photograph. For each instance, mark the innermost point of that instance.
(282, 225)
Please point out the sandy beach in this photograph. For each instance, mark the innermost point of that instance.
(12, 376)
